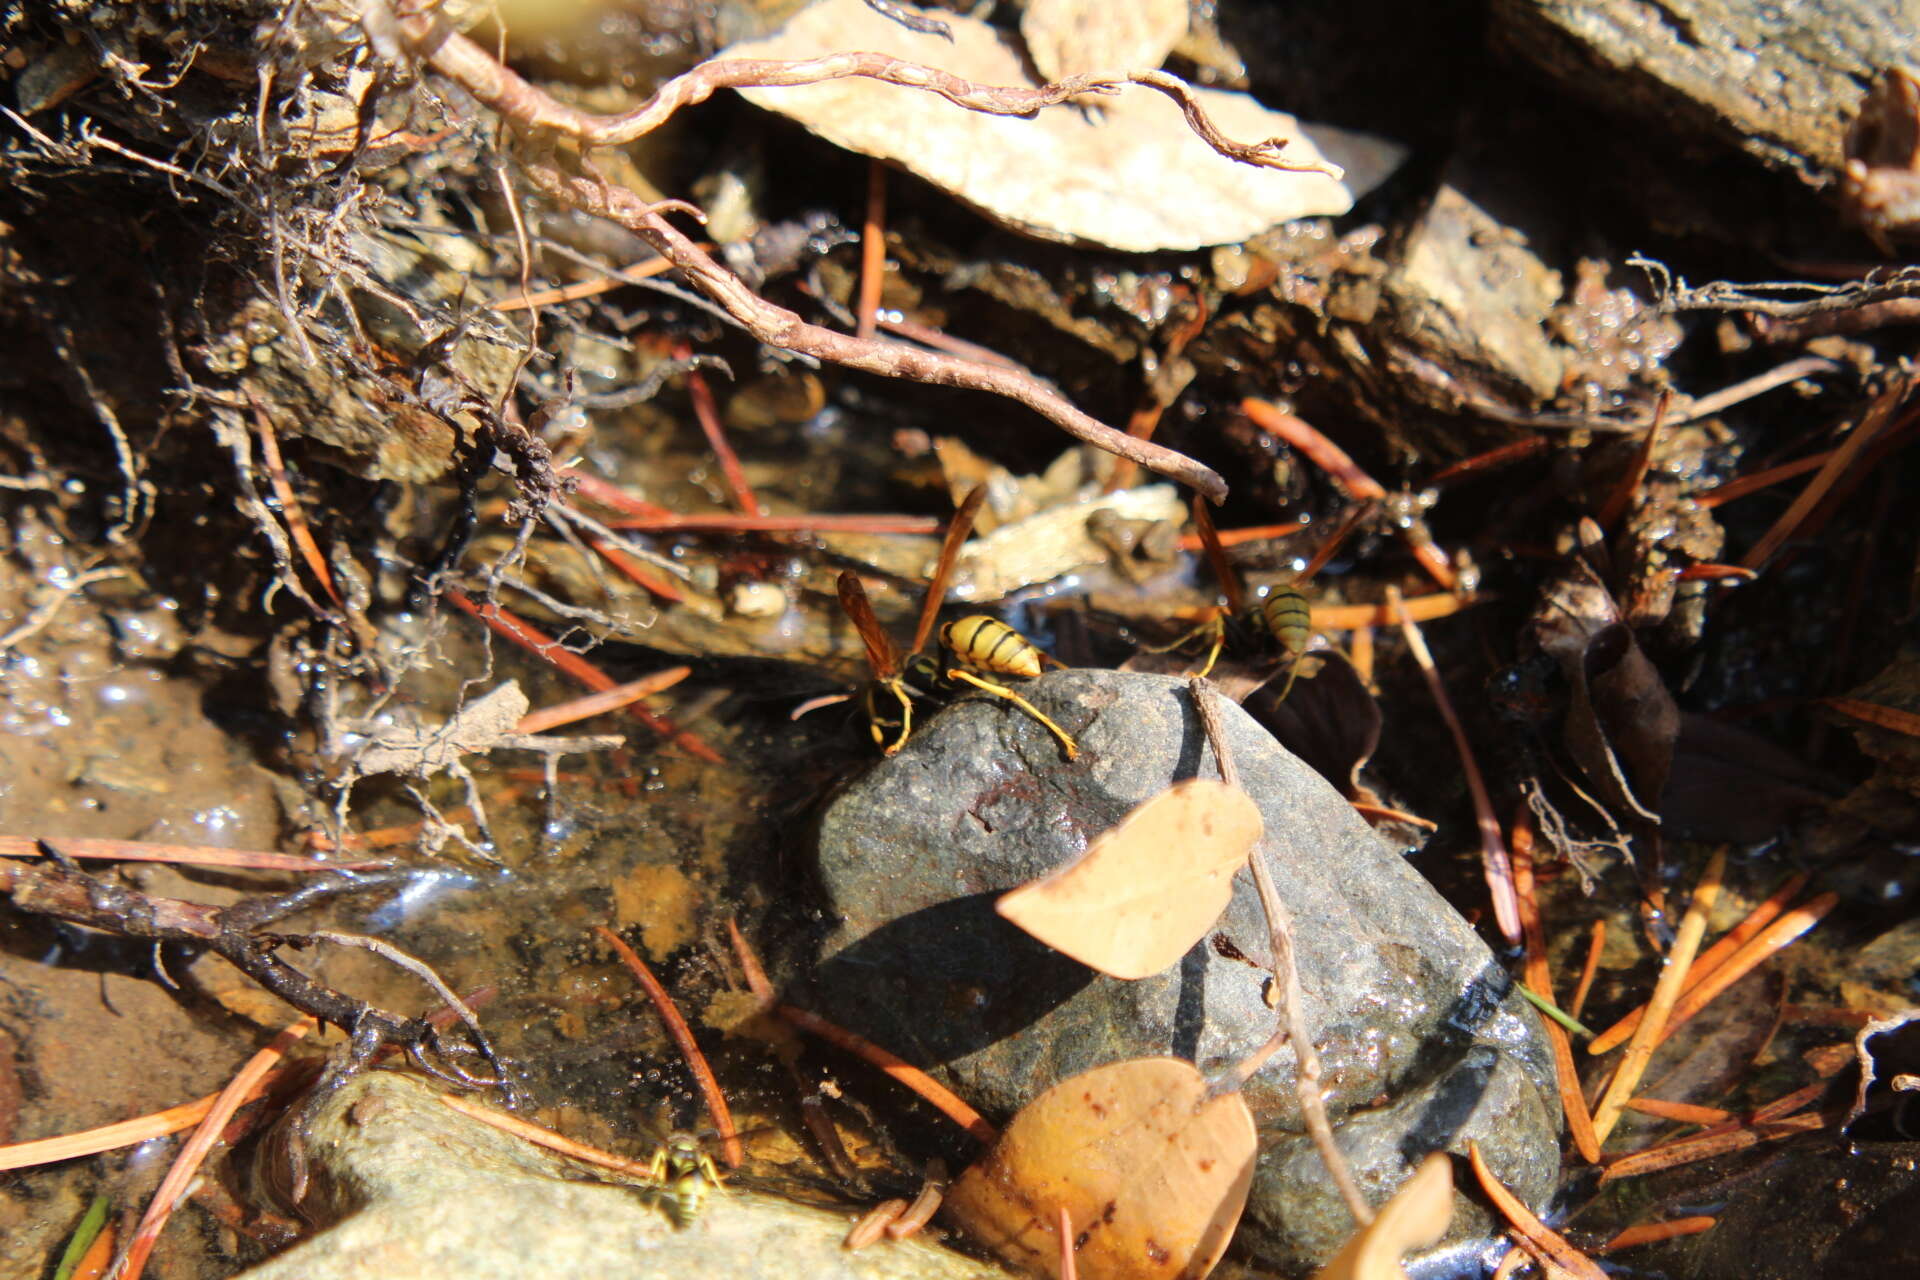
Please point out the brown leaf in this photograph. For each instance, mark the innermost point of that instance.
(1136, 178)
(1416, 1217)
(1330, 721)
(1146, 891)
(1153, 1174)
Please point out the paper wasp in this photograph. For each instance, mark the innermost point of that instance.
(977, 641)
(685, 1174)
(1280, 623)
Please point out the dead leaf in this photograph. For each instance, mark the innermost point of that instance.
(1330, 721)
(1621, 721)
(1152, 1172)
(1146, 891)
(1082, 37)
(422, 752)
(1134, 178)
(1416, 1217)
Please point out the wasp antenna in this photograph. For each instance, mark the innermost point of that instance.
(957, 530)
(881, 655)
(1217, 555)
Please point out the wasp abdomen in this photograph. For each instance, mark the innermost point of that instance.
(991, 645)
(1288, 619)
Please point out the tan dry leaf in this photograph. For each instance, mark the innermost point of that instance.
(1083, 37)
(1152, 1172)
(1416, 1217)
(1146, 891)
(1134, 178)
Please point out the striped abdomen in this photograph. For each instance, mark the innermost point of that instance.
(1285, 616)
(991, 645)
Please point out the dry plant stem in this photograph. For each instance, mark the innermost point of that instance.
(1655, 1232)
(1713, 957)
(1535, 1235)
(290, 510)
(936, 1094)
(1493, 848)
(547, 1138)
(174, 1186)
(1292, 1013)
(778, 327)
(778, 524)
(1666, 991)
(1579, 1123)
(676, 1025)
(600, 703)
(1063, 1224)
(181, 855)
(873, 251)
(1876, 714)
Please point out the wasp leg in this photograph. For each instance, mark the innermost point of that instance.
(1066, 741)
(899, 691)
(1215, 627)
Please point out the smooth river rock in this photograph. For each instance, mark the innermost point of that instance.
(405, 1186)
(1424, 1041)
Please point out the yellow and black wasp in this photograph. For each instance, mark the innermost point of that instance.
(978, 644)
(685, 1175)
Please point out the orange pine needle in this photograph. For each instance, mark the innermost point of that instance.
(1741, 486)
(1346, 617)
(707, 413)
(290, 510)
(1666, 993)
(1595, 946)
(750, 965)
(1684, 1112)
(1538, 1239)
(406, 832)
(1234, 537)
(1710, 959)
(1386, 814)
(1319, 450)
(1433, 561)
(1836, 465)
(777, 524)
(1874, 713)
(873, 251)
(186, 855)
(1514, 1259)
(1620, 501)
(504, 623)
(1714, 573)
(1707, 1145)
(125, 1133)
(547, 1138)
(1775, 936)
(194, 1152)
(676, 1025)
(873, 1224)
(595, 704)
(1504, 455)
(1496, 866)
(1069, 1266)
(93, 1263)
(1540, 979)
(636, 572)
(610, 495)
(921, 1211)
(1655, 1232)
(929, 1089)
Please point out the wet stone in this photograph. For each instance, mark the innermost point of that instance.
(1424, 1042)
(406, 1186)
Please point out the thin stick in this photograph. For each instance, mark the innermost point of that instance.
(173, 1187)
(1771, 939)
(634, 274)
(1712, 958)
(1496, 866)
(1666, 991)
(179, 854)
(1538, 976)
(707, 413)
(873, 250)
(676, 1025)
(1597, 942)
(547, 1138)
(1291, 1015)
(931, 1090)
(505, 623)
(595, 704)
(1655, 1232)
(1069, 1265)
(779, 327)
(1538, 1239)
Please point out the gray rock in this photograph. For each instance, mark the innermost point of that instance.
(405, 1186)
(1425, 1044)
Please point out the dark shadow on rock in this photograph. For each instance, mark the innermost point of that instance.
(991, 980)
